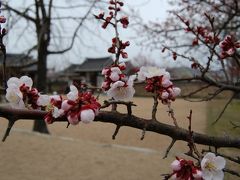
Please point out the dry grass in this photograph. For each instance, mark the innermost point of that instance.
(88, 152)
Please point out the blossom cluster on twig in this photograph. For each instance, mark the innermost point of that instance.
(210, 168)
(79, 106)
(158, 82)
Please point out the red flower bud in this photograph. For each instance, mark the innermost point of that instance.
(174, 55)
(124, 21)
(120, 3)
(2, 19)
(124, 55)
(195, 42)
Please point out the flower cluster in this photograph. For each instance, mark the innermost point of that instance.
(20, 93)
(158, 81)
(77, 107)
(114, 7)
(204, 33)
(185, 169)
(228, 46)
(211, 168)
(118, 45)
(116, 84)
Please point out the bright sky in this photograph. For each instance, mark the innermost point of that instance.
(149, 10)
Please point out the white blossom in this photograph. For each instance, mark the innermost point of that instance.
(56, 97)
(73, 94)
(65, 105)
(176, 92)
(27, 81)
(14, 97)
(87, 116)
(114, 76)
(166, 82)
(14, 81)
(212, 166)
(121, 90)
(175, 165)
(164, 95)
(43, 100)
(57, 112)
(149, 72)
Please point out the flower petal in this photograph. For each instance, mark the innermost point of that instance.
(73, 119)
(73, 94)
(175, 165)
(14, 80)
(87, 116)
(27, 81)
(218, 175)
(206, 175)
(43, 100)
(65, 105)
(219, 162)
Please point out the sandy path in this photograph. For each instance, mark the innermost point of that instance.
(87, 151)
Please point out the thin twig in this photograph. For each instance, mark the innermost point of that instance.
(171, 113)
(224, 109)
(7, 132)
(155, 105)
(143, 133)
(231, 172)
(116, 132)
(169, 148)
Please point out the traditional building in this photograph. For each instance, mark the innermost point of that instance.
(89, 71)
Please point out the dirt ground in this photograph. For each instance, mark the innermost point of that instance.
(87, 152)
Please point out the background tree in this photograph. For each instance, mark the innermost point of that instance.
(80, 104)
(192, 34)
(44, 17)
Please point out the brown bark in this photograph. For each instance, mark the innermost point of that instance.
(117, 118)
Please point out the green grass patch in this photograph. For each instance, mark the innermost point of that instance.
(223, 126)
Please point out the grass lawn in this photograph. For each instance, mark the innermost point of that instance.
(224, 127)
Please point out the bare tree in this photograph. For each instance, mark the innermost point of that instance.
(42, 16)
(193, 33)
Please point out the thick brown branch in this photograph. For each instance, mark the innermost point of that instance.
(134, 122)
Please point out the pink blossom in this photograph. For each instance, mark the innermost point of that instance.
(65, 105)
(73, 119)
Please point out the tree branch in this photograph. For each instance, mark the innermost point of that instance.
(22, 14)
(75, 32)
(134, 122)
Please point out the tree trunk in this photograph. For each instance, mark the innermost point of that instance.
(43, 32)
(40, 125)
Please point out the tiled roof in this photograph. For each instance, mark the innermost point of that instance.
(91, 65)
